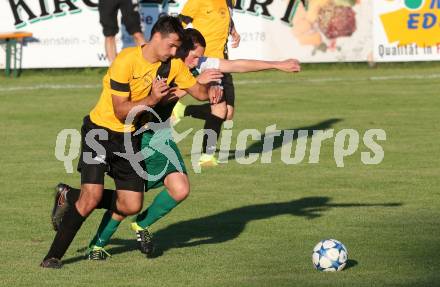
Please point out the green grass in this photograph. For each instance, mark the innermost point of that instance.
(244, 225)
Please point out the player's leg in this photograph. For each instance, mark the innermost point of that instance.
(165, 166)
(176, 190)
(229, 95)
(139, 38)
(67, 196)
(108, 226)
(92, 183)
(196, 111)
(108, 17)
(131, 20)
(126, 200)
(213, 123)
(230, 112)
(72, 221)
(129, 202)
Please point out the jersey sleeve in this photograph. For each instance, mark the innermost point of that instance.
(190, 10)
(208, 63)
(184, 78)
(120, 75)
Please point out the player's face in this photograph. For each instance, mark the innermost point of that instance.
(192, 60)
(168, 46)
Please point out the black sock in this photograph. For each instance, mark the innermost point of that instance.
(106, 202)
(72, 195)
(70, 225)
(212, 123)
(198, 111)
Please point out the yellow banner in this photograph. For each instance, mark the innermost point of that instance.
(418, 23)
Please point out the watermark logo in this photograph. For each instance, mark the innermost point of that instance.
(158, 138)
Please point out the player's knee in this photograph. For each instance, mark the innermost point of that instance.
(229, 114)
(130, 209)
(219, 110)
(178, 186)
(85, 205)
(180, 193)
(88, 200)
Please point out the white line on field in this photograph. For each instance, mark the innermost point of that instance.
(238, 82)
(48, 87)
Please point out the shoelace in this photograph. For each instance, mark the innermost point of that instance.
(99, 250)
(145, 235)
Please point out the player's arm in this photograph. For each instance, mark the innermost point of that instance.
(186, 81)
(205, 78)
(123, 105)
(243, 66)
(235, 36)
(198, 92)
(205, 92)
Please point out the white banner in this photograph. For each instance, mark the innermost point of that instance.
(67, 33)
(406, 30)
(63, 35)
(324, 31)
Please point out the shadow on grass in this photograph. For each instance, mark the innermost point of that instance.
(228, 225)
(259, 147)
(350, 264)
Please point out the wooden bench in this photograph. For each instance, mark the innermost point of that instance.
(11, 40)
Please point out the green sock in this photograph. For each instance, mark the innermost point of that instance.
(162, 204)
(105, 231)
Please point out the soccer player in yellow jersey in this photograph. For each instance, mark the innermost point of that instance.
(163, 160)
(213, 18)
(129, 83)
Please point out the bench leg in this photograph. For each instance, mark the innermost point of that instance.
(8, 57)
(16, 68)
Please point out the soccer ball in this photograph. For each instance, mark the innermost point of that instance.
(329, 255)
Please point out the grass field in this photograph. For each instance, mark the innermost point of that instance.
(244, 225)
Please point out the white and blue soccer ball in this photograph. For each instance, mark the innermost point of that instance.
(329, 255)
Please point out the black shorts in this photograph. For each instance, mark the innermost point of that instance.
(228, 89)
(108, 16)
(95, 162)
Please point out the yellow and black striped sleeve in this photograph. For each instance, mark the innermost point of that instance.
(120, 75)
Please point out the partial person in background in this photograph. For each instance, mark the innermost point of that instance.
(213, 18)
(108, 17)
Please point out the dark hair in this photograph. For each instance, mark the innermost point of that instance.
(191, 38)
(195, 37)
(166, 25)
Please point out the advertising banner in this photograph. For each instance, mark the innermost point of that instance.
(67, 33)
(406, 30)
(312, 31)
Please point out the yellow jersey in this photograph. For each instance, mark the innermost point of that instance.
(131, 76)
(213, 19)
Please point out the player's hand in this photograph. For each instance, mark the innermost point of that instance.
(215, 94)
(235, 38)
(289, 65)
(209, 75)
(159, 89)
